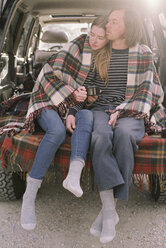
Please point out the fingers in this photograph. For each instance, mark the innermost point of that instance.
(80, 94)
(70, 123)
(82, 88)
(113, 119)
(112, 123)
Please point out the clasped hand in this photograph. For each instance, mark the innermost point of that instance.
(80, 95)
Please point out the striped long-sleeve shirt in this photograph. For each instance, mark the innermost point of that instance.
(113, 93)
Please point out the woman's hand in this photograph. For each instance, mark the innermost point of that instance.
(70, 123)
(80, 94)
(113, 119)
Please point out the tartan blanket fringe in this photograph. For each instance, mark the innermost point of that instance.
(140, 181)
(143, 181)
(10, 158)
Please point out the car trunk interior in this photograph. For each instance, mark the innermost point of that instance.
(28, 19)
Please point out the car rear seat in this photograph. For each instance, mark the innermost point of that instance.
(41, 56)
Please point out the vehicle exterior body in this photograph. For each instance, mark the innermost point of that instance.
(31, 31)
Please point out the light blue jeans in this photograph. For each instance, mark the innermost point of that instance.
(55, 133)
(113, 151)
(81, 136)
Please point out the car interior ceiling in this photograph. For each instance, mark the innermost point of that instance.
(78, 7)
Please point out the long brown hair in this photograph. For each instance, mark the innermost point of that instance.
(133, 35)
(133, 25)
(101, 58)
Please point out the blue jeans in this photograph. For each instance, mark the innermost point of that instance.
(113, 151)
(82, 135)
(55, 133)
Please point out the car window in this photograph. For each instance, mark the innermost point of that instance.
(23, 40)
(72, 30)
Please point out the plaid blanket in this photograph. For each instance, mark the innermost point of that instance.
(151, 156)
(63, 73)
(19, 151)
(144, 90)
(12, 114)
(150, 159)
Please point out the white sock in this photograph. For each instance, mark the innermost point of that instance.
(109, 216)
(96, 227)
(72, 181)
(28, 217)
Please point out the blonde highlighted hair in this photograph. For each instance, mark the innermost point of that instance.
(101, 57)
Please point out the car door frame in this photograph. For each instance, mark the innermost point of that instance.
(7, 9)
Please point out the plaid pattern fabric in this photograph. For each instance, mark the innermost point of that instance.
(12, 115)
(61, 75)
(151, 156)
(17, 105)
(143, 90)
(19, 151)
(68, 69)
(11, 123)
(150, 159)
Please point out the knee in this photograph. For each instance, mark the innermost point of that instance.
(86, 116)
(57, 135)
(123, 137)
(101, 138)
(121, 132)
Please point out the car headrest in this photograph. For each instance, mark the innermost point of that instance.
(54, 36)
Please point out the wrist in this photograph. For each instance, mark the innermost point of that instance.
(72, 111)
(88, 104)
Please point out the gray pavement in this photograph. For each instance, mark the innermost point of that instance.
(63, 221)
